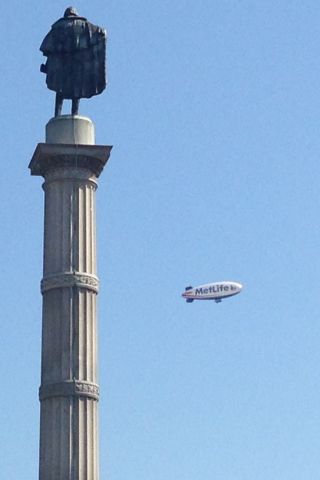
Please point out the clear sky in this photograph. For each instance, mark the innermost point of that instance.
(213, 108)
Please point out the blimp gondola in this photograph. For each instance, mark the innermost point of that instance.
(216, 291)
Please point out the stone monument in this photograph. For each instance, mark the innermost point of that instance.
(70, 163)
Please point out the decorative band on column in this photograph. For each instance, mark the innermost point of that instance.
(75, 388)
(76, 279)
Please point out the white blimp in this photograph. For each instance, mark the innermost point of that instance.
(216, 291)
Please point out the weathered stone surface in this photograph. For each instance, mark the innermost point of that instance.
(73, 129)
(49, 156)
(67, 279)
(69, 389)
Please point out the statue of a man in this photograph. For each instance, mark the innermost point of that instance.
(75, 67)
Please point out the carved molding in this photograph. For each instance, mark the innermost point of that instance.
(74, 388)
(73, 174)
(49, 156)
(66, 280)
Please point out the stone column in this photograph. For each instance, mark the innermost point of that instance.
(70, 164)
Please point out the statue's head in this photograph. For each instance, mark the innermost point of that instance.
(70, 12)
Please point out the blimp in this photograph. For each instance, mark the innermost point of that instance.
(216, 291)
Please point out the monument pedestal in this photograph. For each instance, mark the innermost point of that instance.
(70, 164)
(73, 129)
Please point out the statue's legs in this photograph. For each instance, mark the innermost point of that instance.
(75, 106)
(59, 102)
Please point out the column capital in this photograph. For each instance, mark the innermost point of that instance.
(48, 156)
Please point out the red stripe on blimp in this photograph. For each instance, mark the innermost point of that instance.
(197, 297)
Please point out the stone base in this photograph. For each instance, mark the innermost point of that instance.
(70, 129)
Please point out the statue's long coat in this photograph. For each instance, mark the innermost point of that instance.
(76, 51)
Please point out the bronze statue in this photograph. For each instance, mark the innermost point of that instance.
(75, 67)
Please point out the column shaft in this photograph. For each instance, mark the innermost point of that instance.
(69, 391)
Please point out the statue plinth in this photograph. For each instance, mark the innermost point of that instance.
(71, 129)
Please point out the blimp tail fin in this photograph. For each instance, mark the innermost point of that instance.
(189, 300)
(188, 288)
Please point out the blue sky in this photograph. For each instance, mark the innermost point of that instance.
(213, 109)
